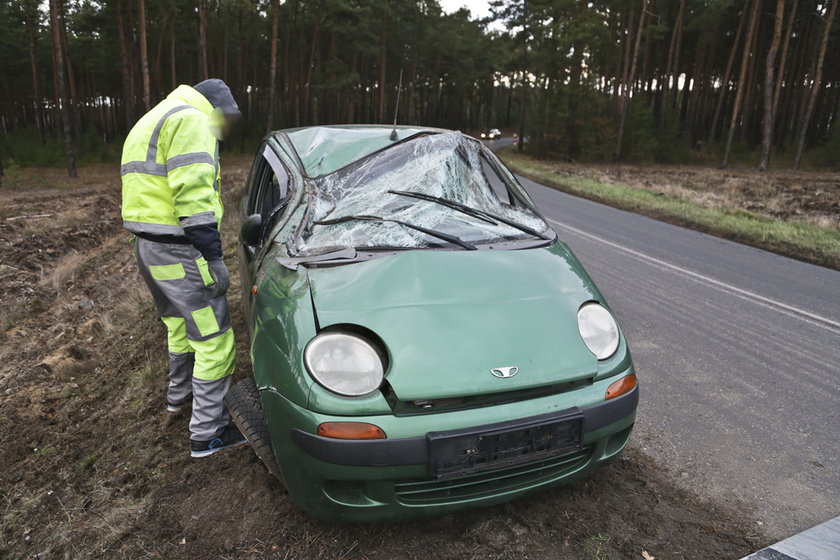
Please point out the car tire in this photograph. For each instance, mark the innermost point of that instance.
(245, 407)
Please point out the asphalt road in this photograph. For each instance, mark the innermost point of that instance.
(738, 354)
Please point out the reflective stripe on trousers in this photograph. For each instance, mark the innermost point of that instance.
(202, 350)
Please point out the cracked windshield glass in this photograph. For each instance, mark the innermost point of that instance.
(417, 194)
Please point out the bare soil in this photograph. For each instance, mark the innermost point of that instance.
(93, 467)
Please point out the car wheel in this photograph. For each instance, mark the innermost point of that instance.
(246, 411)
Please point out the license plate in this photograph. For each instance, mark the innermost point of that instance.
(461, 452)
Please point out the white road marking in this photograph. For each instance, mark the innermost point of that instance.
(789, 310)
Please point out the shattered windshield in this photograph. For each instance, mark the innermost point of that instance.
(432, 191)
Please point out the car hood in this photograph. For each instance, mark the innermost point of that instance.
(450, 317)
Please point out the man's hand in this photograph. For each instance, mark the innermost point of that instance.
(220, 275)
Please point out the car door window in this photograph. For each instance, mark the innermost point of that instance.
(270, 190)
(500, 177)
(497, 185)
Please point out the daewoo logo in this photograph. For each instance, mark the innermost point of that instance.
(505, 372)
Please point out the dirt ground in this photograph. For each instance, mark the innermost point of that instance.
(803, 196)
(93, 467)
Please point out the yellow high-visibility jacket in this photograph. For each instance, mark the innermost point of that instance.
(170, 168)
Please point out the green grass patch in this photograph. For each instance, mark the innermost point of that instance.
(798, 240)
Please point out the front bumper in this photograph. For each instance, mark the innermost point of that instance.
(415, 450)
(372, 480)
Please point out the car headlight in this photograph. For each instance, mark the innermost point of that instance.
(483, 135)
(598, 330)
(344, 363)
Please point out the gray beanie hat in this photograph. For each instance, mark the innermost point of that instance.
(218, 94)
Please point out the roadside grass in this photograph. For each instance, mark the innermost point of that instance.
(799, 240)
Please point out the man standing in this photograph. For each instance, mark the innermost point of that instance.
(171, 202)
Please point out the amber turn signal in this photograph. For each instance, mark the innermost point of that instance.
(621, 387)
(350, 430)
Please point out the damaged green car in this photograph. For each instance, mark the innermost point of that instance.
(421, 340)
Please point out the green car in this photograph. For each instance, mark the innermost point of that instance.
(421, 340)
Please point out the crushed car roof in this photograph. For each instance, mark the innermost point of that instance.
(325, 149)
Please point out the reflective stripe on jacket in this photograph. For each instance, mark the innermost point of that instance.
(170, 168)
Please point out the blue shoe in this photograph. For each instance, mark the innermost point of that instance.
(230, 437)
(177, 407)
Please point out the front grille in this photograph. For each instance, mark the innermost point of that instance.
(490, 483)
(428, 406)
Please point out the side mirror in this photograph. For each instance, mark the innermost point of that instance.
(250, 232)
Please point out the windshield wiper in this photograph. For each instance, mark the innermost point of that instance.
(427, 231)
(448, 203)
(328, 254)
(481, 214)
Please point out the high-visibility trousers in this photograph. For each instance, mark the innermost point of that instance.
(202, 350)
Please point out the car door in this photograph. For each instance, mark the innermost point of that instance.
(268, 193)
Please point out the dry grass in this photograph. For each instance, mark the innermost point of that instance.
(64, 271)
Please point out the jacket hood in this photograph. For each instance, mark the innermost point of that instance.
(218, 94)
(448, 318)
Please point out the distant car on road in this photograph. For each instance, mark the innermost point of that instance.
(491, 134)
(421, 340)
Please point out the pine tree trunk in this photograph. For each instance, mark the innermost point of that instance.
(286, 77)
(739, 92)
(646, 53)
(300, 108)
(202, 40)
(383, 44)
(309, 109)
(791, 96)
(70, 76)
(272, 73)
(624, 65)
(351, 104)
(128, 102)
(815, 87)
(55, 118)
(575, 73)
(144, 54)
(409, 92)
(225, 52)
(32, 32)
(132, 57)
(671, 77)
(240, 51)
(33, 56)
(781, 74)
(677, 52)
(172, 59)
(751, 83)
(73, 96)
(727, 74)
(64, 108)
(155, 73)
(769, 81)
(631, 76)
